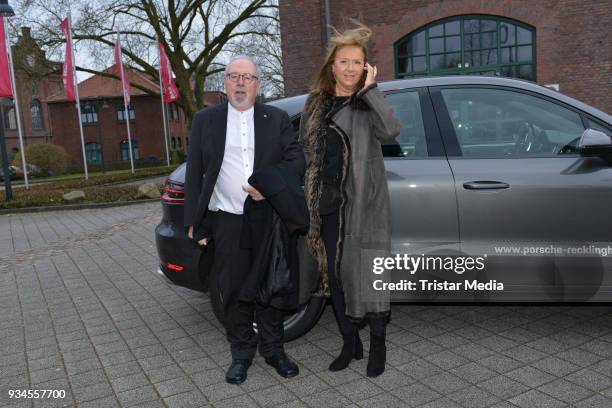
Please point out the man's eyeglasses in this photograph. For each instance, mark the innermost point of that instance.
(247, 78)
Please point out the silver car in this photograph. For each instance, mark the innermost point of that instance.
(487, 171)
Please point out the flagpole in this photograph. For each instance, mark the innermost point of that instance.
(78, 100)
(161, 92)
(125, 104)
(17, 110)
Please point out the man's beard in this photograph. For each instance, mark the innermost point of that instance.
(239, 101)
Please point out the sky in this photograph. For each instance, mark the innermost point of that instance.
(83, 57)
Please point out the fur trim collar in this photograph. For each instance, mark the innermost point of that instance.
(319, 110)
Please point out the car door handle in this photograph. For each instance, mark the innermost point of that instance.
(485, 185)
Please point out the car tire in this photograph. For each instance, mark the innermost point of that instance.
(296, 324)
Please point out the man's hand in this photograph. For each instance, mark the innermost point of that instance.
(202, 242)
(255, 195)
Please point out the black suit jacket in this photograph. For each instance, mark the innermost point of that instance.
(275, 143)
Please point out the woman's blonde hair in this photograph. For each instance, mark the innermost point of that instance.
(359, 36)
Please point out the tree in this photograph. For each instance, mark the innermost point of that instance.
(194, 33)
(266, 50)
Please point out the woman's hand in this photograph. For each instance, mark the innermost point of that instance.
(371, 77)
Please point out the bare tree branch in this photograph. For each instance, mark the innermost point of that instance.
(197, 35)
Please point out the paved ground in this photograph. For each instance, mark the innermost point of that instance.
(83, 311)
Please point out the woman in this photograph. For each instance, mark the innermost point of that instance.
(345, 120)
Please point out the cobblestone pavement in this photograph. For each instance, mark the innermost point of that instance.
(83, 311)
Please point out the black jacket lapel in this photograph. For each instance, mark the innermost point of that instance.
(260, 123)
(219, 133)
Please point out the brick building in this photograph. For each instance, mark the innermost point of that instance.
(562, 42)
(103, 117)
(48, 117)
(37, 78)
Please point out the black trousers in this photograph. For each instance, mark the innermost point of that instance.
(232, 263)
(330, 230)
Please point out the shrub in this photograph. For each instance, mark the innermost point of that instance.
(98, 189)
(52, 159)
(177, 157)
(45, 195)
(108, 179)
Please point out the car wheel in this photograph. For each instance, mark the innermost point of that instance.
(300, 322)
(296, 324)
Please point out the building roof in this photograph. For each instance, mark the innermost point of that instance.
(102, 86)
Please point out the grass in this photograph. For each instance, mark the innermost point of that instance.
(99, 188)
(138, 173)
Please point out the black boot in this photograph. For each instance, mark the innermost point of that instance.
(378, 348)
(352, 348)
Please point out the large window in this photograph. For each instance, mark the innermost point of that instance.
(37, 114)
(10, 118)
(469, 45)
(121, 112)
(502, 123)
(411, 141)
(89, 113)
(93, 152)
(125, 150)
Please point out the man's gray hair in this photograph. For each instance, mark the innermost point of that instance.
(243, 57)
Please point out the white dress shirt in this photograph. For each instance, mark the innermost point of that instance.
(237, 164)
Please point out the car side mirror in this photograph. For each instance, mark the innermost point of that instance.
(595, 143)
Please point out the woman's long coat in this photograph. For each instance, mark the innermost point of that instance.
(364, 122)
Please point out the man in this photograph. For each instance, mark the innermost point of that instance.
(228, 142)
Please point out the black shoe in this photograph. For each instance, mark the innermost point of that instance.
(283, 364)
(352, 349)
(237, 372)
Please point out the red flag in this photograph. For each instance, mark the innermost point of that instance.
(5, 75)
(68, 69)
(171, 93)
(125, 83)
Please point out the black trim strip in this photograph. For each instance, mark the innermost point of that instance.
(435, 145)
(449, 138)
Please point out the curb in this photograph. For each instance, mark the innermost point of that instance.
(66, 207)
